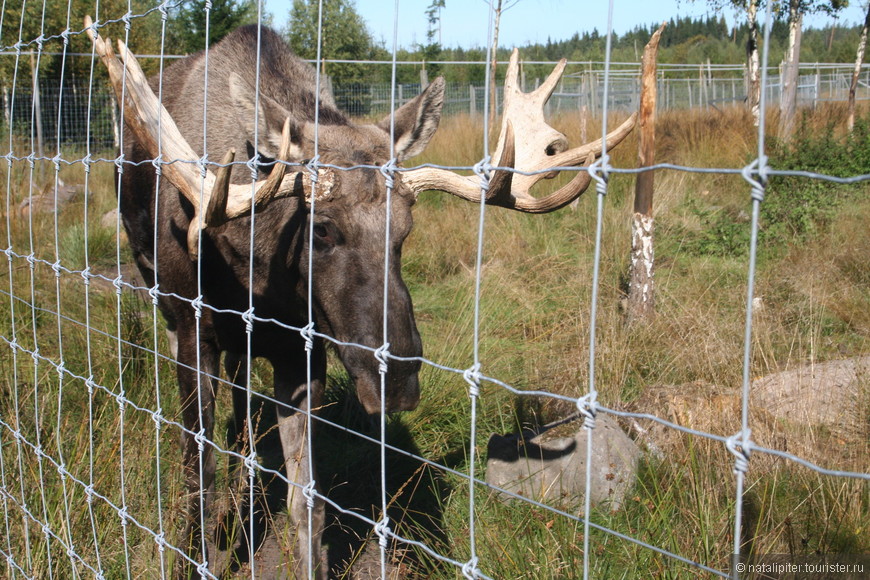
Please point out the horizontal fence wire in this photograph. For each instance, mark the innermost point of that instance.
(65, 516)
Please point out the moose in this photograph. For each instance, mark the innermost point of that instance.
(284, 254)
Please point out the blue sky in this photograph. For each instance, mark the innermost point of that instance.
(465, 22)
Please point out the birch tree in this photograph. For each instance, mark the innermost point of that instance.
(498, 6)
(859, 59)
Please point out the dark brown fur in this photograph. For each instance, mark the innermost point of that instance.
(348, 251)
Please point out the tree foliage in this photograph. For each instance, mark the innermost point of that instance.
(344, 36)
(190, 21)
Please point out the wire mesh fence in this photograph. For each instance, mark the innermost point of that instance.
(579, 92)
(91, 480)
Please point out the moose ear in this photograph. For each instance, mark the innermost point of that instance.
(416, 121)
(270, 116)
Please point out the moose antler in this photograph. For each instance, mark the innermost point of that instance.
(159, 134)
(528, 144)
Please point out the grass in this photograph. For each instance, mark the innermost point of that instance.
(684, 365)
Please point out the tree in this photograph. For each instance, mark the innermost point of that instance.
(498, 6)
(432, 49)
(791, 63)
(188, 27)
(753, 68)
(344, 37)
(859, 58)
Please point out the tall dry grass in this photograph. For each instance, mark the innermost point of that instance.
(685, 365)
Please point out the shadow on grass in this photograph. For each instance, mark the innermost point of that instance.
(349, 473)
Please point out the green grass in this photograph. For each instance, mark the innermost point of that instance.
(534, 315)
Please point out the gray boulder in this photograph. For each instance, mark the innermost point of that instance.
(554, 470)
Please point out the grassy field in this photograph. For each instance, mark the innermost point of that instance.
(813, 280)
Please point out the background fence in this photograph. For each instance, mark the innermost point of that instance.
(711, 87)
(87, 394)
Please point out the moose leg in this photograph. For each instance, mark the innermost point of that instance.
(306, 515)
(198, 460)
(236, 368)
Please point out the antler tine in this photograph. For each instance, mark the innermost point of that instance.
(543, 92)
(216, 211)
(273, 183)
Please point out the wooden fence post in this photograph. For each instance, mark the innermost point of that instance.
(641, 296)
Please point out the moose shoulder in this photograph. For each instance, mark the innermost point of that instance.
(238, 257)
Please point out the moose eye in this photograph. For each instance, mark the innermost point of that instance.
(326, 235)
(321, 231)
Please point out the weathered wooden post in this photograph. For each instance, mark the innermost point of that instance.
(641, 296)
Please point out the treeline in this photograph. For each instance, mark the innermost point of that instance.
(685, 40)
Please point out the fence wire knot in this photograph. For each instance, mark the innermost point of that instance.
(86, 275)
(470, 570)
(153, 292)
(381, 354)
(312, 167)
(87, 161)
(756, 174)
(483, 169)
(248, 318)
(388, 170)
(382, 530)
(472, 377)
(157, 417)
(202, 569)
(251, 463)
(599, 171)
(56, 161)
(202, 165)
(122, 513)
(307, 333)
(587, 405)
(89, 494)
(157, 163)
(160, 540)
(197, 306)
(119, 163)
(308, 492)
(740, 446)
(117, 282)
(200, 439)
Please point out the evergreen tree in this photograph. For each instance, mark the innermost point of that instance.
(188, 27)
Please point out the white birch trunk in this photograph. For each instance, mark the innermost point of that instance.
(859, 59)
(788, 97)
(753, 90)
(641, 287)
